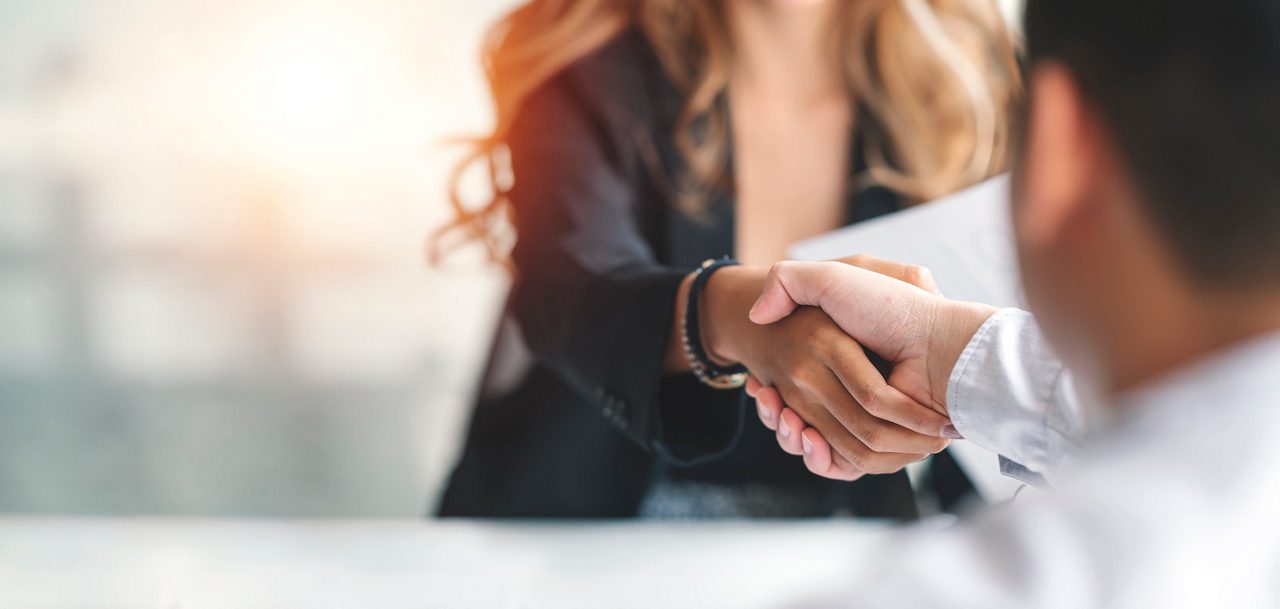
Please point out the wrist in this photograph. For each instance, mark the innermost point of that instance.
(955, 323)
(722, 312)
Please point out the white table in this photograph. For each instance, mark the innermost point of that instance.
(200, 563)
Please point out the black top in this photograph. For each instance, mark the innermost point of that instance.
(601, 251)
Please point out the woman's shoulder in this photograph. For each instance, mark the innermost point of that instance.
(622, 80)
(628, 50)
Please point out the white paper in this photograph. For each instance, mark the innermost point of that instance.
(966, 241)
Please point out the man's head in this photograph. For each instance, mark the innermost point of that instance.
(1148, 185)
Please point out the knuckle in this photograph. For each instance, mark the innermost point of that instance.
(803, 377)
(827, 339)
(874, 437)
(869, 403)
(875, 400)
(859, 458)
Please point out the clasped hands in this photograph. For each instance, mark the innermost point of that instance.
(843, 416)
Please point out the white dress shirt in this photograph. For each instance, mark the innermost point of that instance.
(1172, 501)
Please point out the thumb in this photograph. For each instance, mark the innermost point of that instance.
(789, 285)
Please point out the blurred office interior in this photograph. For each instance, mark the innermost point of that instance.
(214, 297)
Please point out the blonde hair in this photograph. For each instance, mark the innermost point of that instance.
(936, 82)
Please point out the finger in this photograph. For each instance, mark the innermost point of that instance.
(875, 432)
(788, 285)
(768, 406)
(818, 458)
(874, 462)
(844, 443)
(913, 274)
(860, 379)
(789, 427)
(817, 454)
(840, 467)
(753, 385)
(839, 463)
(850, 454)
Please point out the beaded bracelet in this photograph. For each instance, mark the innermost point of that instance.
(706, 371)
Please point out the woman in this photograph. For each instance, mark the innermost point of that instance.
(638, 139)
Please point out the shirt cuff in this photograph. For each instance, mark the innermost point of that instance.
(999, 392)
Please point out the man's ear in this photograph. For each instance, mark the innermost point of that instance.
(1060, 160)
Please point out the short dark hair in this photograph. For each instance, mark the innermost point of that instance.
(1190, 90)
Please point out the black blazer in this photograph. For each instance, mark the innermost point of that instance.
(582, 422)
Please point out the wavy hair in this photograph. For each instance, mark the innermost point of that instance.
(935, 82)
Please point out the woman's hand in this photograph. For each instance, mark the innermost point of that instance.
(921, 333)
(823, 375)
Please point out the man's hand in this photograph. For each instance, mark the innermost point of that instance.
(893, 310)
(813, 364)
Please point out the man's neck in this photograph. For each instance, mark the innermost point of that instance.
(1172, 336)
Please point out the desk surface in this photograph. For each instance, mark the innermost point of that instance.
(197, 563)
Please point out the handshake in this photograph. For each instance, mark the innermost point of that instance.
(812, 378)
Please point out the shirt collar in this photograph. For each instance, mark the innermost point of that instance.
(1248, 372)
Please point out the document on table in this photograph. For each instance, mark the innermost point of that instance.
(966, 241)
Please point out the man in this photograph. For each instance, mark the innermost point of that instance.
(1147, 217)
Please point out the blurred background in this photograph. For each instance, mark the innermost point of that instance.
(213, 291)
(214, 298)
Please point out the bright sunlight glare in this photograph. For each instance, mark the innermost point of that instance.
(306, 92)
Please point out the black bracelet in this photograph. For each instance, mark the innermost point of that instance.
(708, 372)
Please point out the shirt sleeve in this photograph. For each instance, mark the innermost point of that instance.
(1032, 554)
(1010, 393)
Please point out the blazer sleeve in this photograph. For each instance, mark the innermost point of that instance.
(592, 300)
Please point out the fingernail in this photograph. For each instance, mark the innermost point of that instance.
(784, 430)
(950, 432)
(765, 413)
(806, 445)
